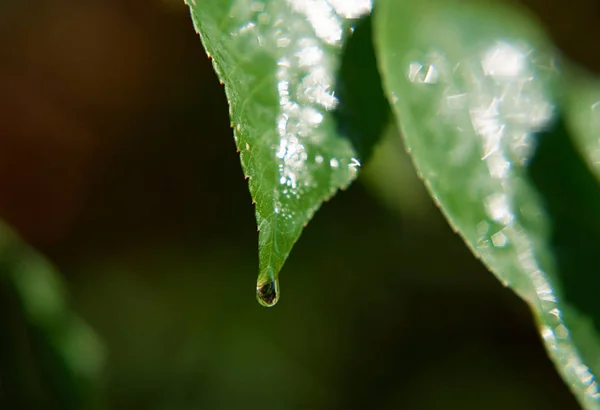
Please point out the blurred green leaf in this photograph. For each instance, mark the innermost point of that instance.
(62, 355)
(478, 94)
(583, 115)
(278, 61)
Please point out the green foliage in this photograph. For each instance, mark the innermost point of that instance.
(477, 93)
(278, 62)
(71, 353)
(582, 111)
(502, 131)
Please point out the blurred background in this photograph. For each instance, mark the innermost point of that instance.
(118, 164)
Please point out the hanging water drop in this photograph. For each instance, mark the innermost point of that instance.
(267, 292)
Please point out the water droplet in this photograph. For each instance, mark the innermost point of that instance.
(422, 73)
(352, 8)
(354, 163)
(499, 239)
(267, 293)
(504, 60)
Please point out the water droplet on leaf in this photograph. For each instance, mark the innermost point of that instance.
(267, 293)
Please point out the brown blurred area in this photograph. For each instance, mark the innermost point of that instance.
(572, 25)
(117, 162)
(92, 89)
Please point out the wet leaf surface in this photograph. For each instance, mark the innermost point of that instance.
(279, 62)
(480, 98)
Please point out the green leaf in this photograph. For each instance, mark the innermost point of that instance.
(58, 341)
(583, 115)
(279, 61)
(479, 96)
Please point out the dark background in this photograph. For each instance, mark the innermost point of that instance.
(117, 162)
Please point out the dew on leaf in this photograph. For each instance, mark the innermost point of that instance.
(422, 73)
(267, 293)
(499, 239)
(282, 59)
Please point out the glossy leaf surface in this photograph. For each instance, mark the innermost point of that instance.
(479, 96)
(278, 61)
(583, 116)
